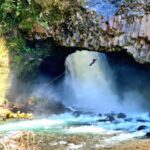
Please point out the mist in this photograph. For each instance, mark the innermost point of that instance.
(95, 88)
(92, 88)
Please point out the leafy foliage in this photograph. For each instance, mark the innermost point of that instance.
(21, 16)
(24, 14)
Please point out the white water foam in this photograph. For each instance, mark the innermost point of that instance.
(91, 86)
(33, 124)
(90, 129)
(122, 137)
(68, 124)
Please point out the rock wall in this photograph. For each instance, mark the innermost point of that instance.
(127, 30)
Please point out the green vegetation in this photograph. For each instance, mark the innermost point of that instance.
(18, 19)
(23, 14)
(14, 14)
(25, 60)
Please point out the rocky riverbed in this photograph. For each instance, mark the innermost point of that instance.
(78, 130)
(25, 140)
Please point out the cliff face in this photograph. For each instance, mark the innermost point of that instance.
(127, 30)
(135, 19)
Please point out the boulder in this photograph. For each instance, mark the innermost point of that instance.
(142, 127)
(40, 106)
(102, 120)
(121, 116)
(77, 113)
(100, 115)
(147, 135)
(141, 120)
(128, 119)
(110, 118)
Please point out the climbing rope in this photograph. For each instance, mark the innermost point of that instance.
(55, 79)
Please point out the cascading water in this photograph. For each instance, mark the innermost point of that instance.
(88, 83)
(92, 87)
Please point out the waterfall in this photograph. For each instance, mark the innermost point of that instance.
(91, 87)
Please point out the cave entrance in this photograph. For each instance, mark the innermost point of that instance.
(128, 75)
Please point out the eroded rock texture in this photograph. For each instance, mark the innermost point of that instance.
(127, 30)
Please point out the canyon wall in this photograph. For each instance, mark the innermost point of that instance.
(127, 30)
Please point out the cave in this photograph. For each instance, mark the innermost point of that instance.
(129, 75)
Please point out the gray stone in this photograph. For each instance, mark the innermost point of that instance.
(121, 115)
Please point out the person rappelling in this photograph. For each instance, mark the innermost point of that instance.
(94, 60)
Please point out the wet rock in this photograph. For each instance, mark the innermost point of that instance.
(40, 105)
(100, 115)
(121, 116)
(77, 113)
(116, 121)
(141, 120)
(128, 119)
(147, 135)
(102, 120)
(110, 114)
(111, 118)
(142, 127)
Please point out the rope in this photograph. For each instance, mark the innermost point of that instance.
(55, 79)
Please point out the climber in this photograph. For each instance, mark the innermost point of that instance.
(94, 60)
